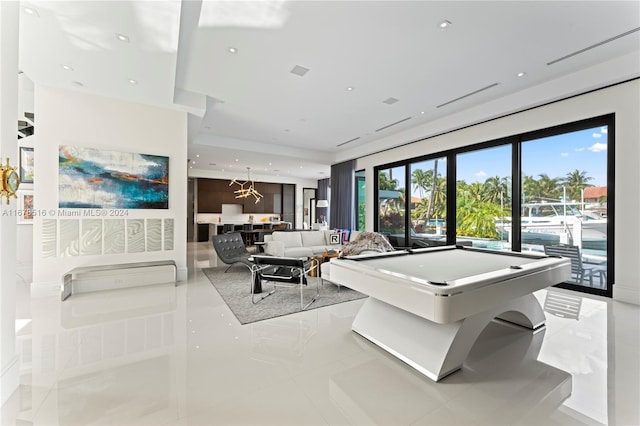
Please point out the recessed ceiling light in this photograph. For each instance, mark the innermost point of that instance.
(233, 50)
(198, 155)
(421, 112)
(444, 24)
(349, 88)
(132, 81)
(521, 74)
(30, 11)
(193, 162)
(237, 160)
(67, 67)
(122, 38)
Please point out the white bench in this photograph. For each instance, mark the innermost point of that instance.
(67, 279)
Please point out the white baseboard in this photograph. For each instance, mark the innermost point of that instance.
(183, 274)
(45, 289)
(10, 379)
(626, 294)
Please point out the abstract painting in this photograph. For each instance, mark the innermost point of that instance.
(99, 179)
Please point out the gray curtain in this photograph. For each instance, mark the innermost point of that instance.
(342, 201)
(323, 194)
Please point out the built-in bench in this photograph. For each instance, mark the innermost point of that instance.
(67, 279)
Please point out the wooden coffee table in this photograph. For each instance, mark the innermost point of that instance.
(326, 255)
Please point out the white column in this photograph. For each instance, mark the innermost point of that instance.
(9, 364)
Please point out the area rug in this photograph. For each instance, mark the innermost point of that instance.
(235, 290)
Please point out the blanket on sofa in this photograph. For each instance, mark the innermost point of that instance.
(367, 241)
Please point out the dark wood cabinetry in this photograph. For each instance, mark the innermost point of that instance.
(213, 193)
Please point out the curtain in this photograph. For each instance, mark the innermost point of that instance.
(342, 201)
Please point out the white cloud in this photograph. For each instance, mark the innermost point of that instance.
(579, 149)
(597, 135)
(564, 154)
(597, 147)
(604, 130)
(481, 173)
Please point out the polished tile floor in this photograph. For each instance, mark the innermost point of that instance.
(162, 355)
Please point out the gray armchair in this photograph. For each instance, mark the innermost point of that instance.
(231, 250)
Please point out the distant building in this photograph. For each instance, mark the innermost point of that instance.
(593, 194)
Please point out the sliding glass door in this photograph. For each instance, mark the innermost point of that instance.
(564, 200)
(483, 198)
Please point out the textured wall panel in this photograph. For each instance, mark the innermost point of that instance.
(69, 237)
(114, 236)
(135, 236)
(154, 234)
(49, 237)
(168, 234)
(91, 237)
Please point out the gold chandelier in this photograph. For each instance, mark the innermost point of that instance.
(249, 191)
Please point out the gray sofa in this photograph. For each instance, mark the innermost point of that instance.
(301, 243)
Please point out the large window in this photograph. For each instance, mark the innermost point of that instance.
(392, 205)
(360, 200)
(528, 192)
(483, 198)
(564, 199)
(428, 205)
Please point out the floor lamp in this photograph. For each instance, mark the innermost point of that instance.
(322, 204)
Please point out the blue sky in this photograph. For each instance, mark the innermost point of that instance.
(585, 150)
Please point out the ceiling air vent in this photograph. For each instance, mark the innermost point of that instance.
(298, 70)
(349, 141)
(390, 101)
(475, 92)
(393, 124)
(593, 46)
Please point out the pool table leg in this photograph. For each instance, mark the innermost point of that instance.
(437, 350)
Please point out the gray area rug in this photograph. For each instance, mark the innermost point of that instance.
(234, 287)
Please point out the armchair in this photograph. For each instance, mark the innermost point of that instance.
(231, 250)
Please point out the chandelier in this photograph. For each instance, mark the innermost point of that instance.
(247, 188)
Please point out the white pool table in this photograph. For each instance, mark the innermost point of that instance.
(428, 306)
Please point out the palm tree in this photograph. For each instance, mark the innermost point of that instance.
(530, 188)
(494, 190)
(421, 179)
(434, 184)
(575, 182)
(548, 187)
(387, 183)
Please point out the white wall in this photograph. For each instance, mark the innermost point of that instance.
(624, 101)
(299, 183)
(9, 364)
(72, 118)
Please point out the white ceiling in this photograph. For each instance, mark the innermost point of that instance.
(248, 106)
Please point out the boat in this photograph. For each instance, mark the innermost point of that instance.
(552, 222)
